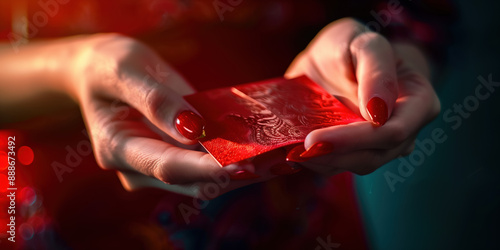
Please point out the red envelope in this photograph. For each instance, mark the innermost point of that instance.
(248, 120)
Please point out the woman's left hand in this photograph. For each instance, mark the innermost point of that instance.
(387, 84)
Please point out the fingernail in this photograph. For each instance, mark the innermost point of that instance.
(377, 109)
(190, 125)
(284, 169)
(294, 154)
(243, 175)
(318, 149)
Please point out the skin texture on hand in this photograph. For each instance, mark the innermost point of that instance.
(368, 73)
(131, 99)
(138, 122)
(125, 90)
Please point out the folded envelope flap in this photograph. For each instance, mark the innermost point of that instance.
(250, 119)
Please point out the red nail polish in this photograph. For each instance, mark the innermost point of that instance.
(318, 149)
(243, 175)
(377, 109)
(283, 169)
(294, 154)
(190, 125)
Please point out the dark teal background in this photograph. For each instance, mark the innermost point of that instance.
(452, 200)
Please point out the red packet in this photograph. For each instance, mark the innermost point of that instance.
(248, 120)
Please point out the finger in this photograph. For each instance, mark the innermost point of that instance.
(129, 145)
(327, 59)
(375, 65)
(360, 162)
(164, 106)
(175, 165)
(411, 113)
(165, 162)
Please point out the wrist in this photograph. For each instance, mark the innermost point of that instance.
(70, 64)
(33, 79)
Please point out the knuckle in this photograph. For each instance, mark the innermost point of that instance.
(368, 38)
(436, 107)
(397, 134)
(433, 105)
(348, 22)
(104, 157)
(338, 52)
(154, 99)
(388, 84)
(122, 46)
(101, 153)
(104, 161)
(332, 31)
(106, 144)
(341, 53)
(160, 171)
(163, 170)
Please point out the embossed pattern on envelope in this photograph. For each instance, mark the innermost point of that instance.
(250, 119)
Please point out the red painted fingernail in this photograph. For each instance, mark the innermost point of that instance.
(243, 175)
(284, 169)
(318, 149)
(377, 109)
(294, 154)
(190, 125)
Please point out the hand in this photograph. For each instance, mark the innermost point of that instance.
(137, 120)
(385, 83)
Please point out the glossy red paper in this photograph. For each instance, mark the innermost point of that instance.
(250, 119)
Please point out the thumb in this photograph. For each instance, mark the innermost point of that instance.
(173, 114)
(375, 66)
(164, 106)
(161, 102)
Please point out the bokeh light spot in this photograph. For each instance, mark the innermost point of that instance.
(25, 155)
(26, 231)
(28, 196)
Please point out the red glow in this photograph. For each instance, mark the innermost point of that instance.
(3, 223)
(25, 155)
(3, 161)
(4, 184)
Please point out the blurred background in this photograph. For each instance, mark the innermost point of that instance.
(451, 200)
